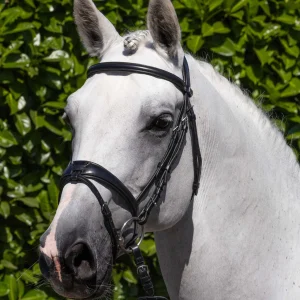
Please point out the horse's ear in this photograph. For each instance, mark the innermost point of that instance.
(164, 27)
(95, 30)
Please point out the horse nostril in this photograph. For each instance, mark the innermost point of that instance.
(79, 260)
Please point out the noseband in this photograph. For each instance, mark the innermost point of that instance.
(86, 171)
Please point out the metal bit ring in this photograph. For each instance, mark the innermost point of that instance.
(126, 225)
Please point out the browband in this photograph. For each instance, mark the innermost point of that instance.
(125, 67)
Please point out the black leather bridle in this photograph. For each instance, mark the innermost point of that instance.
(85, 171)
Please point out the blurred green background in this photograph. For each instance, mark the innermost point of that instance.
(253, 43)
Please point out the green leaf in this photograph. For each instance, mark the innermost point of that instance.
(11, 14)
(52, 42)
(148, 247)
(264, 56)
(271, 30)
(294, 129)
(52, 126)
(293, 88)
(11, 282)
(7, 264)
(293, 51)
(45, 205)
(7, 139)
(21, 103)
(285, 76)
(38, 121)
(213, 4)
(35, 295)
(25, 218)
(13, 104)
(4, 290)
(53, 192)
(226, 49)
(22, 62)
(218, 27)
(5, 235)
(54, 26)
(239, 5)
(57, 56)
(4, 209)
(28, 276)
(288, 61)
(253, 7)
(33, 188)
(19, 28)
(23, 123)
(265, 6)
(290, 107)
(58, 105)
(129, 277)
(251, 74)
(30, 2)
(287, 19)
(293, 136)
(21, 288)
(239, 15)
(29, 201)
(207, 30)
(195, 43)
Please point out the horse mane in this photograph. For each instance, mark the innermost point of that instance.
(233, 94)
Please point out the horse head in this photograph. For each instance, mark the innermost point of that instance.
(124, 122)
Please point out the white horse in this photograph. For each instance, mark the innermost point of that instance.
(239, 237)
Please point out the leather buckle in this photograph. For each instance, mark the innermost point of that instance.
(74, 175)
(188, 90)
(105, 210)
(143, 271)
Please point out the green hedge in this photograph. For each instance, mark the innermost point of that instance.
(254, 43)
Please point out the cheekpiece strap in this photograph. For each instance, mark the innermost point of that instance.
(142, 271)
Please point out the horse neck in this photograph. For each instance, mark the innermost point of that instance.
(243, 153)
(244, 162)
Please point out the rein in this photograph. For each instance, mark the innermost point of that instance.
(85, 171)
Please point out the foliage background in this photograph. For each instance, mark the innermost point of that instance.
(254, 43)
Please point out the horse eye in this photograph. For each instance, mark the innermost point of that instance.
(163, 122)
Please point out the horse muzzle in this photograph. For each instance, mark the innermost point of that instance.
(74, 274)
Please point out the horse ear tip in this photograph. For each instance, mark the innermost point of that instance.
(164, 27)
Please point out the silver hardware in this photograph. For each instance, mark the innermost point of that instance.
(139, 238)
